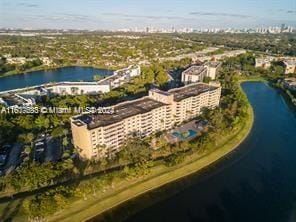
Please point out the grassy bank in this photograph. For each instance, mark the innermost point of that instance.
(253, 79)
(35, 69)
(160, 175)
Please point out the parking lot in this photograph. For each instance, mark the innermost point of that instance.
(44, 148)
(47, 148)
(11, 157)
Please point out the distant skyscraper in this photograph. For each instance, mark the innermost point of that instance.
(283, 27)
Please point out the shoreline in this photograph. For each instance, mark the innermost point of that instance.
(52, 68)
(192, 165)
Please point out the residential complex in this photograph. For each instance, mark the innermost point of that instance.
(288, 63)
(213, 68)
(290, 66)
(13, 100)
(198, 73)
(97, 136)
(70, 88)
(290, 83)
(264, 63)
(194, 74)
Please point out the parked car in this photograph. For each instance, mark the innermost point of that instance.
(3, 158)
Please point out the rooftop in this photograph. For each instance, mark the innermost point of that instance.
(131, 108)
(291, 81)
(195, 70)
(121, 111)
(290, 62)
(191, 90)
(214, 64)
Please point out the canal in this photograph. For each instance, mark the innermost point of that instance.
(74, 73)
(255, 183)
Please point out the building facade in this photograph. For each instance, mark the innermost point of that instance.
(194, 74)
(105, 85)
(197, 73)
(97, 136)
(290, 66)
(213, 68)
(290, 83)
(264, 63)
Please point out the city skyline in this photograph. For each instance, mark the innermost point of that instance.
(115, 14)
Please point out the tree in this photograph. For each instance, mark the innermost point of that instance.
(65, 141)
(161, 76)
(42, 122)
(26, 138)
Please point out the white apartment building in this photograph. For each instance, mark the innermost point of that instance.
(79, 88)
(213, 68)
(121, 76)
(290, 83)
(290, 66)
(194, 74)
(97, 136)
(132, 71)
(264, 63)
(198, 73)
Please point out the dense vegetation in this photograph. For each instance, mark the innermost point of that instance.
(117, 51)
(244, 65)
(99, 50)
(282, 44)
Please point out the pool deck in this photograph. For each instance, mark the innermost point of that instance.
(192, 125)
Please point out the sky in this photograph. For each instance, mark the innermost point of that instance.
(118, 14)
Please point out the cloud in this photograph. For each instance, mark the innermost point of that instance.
(69, 16)
(28, 5)
(63, 17)
(221, 14)
(291, 12)
(142, 16)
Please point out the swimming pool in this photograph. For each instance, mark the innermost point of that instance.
(186, 135)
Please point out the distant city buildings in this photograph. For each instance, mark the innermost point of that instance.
(97, 136)
(262, 30)
(275, 30)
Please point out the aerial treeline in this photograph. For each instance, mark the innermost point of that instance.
(105, 51)
(284, 44)
(7, 67)
(244, 65)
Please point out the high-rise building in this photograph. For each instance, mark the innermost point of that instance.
(264, 63)
(194, 74)
(213, 68)
(97, 136)
(290, 66)
(197, 73)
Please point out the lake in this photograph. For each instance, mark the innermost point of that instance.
(75, 73)
(255, 183)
